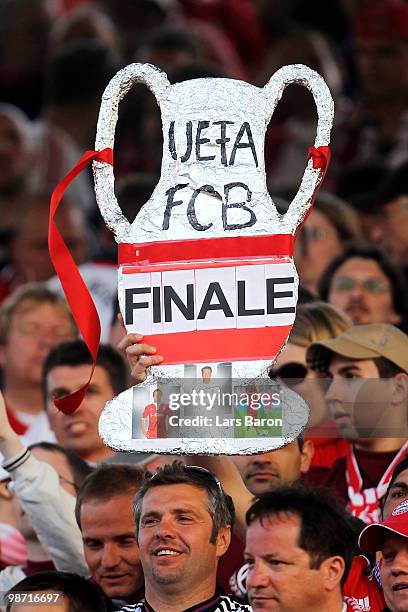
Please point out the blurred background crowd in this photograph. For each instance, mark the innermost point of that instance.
(56, 57)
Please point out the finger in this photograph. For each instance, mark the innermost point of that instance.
(140, 349)
(139, 372)
(129, 340)
(146, 361)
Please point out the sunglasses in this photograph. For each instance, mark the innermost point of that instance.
(202, 472)
(291, 370)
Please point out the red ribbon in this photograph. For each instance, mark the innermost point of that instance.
(19, 427)
(76, 292)
(320, 157)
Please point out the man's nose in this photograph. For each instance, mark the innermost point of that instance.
(48, 339)
(376, 232)
(165, 528)
(110, 556)
(257, 576)
(333, 392)
(357, 290)
(260, 461)
(400, 563)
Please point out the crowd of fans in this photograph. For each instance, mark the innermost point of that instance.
(319, 524)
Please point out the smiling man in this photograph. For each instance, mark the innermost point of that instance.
(368, 399)
(390, 537)
(104, 515)
(66, 369)
(183, 522)
(299, 549)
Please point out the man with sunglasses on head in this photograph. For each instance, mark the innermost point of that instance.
(368, 400)
(183, 525)
(242, 477)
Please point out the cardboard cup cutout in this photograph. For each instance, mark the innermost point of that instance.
(206, 269)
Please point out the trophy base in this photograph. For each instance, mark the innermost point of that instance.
(127, 424)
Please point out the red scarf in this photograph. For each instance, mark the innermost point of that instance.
(364, 504)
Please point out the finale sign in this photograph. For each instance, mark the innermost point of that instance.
(206, 269)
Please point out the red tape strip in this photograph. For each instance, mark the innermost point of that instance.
(76, 292)
(280, 245)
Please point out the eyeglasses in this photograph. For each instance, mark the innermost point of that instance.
(371, 285)
(33, 330)
(315, 234)
(292, 373)
(292, 370)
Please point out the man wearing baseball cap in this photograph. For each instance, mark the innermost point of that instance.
(390, 537)
(368, 400)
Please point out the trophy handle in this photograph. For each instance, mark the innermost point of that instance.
(302, 75)
(104, 179)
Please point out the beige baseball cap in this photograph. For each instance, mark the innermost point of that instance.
(361, 342)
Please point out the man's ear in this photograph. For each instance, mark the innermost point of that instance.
(223, 541)
(400, 389)
(5, 494)
(332, 570)
(306, 455)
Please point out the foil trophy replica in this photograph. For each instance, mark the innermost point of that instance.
(206, 270)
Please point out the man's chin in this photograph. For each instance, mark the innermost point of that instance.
(167, 577)
(349, 433)
(259, 488)
(125, 593)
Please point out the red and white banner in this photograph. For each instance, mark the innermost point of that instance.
(233, 309)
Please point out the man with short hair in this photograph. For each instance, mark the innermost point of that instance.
(368, 399)
(299, 549)
(286, 465)
(206, 374)
(390, 537)
(104, 515)
(33, 320)
(183, 523)
(66, 369)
